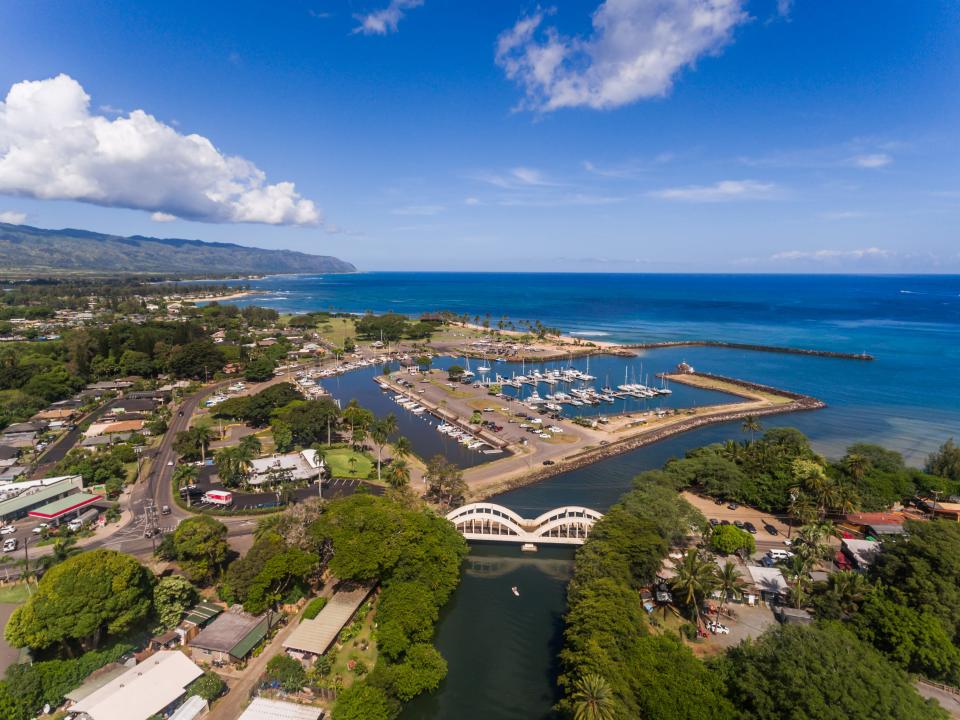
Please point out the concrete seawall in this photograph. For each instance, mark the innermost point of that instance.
(747, 346)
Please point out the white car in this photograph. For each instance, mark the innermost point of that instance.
(7, 530)
(10, 545)
(170, 464)
(719, 629)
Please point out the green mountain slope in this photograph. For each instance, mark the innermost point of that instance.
(25, 249)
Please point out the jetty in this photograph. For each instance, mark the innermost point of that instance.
(748, 346)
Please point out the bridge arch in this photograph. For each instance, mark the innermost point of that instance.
(568, 525)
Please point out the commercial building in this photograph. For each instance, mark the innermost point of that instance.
(303, 465)
(153, 687)
(65, 508)
(16, 506)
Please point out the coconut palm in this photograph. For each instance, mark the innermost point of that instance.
(63, 548)
(592, 698)
(401, 447)
(751, 425)
(849, 589)
(730, 584)
(203, 435)
(856, 466)
(398, 474)
(696, 578)
(185, 474)
(251, 445)
(378, 433)
(796, 571)
(801, 508)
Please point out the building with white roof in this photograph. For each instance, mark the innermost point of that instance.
(266, 709)
(151, 687)
(303, 465)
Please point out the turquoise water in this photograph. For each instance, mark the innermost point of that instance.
(501, 649)
(908, 399)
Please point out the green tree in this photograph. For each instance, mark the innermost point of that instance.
(209, 686)
(282, 435)
(751, 424)
(727, 539)
(199, 360)
(945, 462)
(455, 373)
(233, 465)
(819, 671)
(730, 584)
(259, 369)
(593, 698)
(81, 600)
(422, 670)
(172, 596)
(398, 473)
(287, 672)
(402, 448)
(696, 578)
(362, 701)
(277, 576)
(200, 546)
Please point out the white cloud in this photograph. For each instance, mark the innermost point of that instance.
(873, 160)
(382, 22)
(723, 191)
(871, 253)
(472, 201)
(162, 217)
(518, 177)
(13, 217)
(635, 50)
(52, 147)
(843, 215)
(422, 210)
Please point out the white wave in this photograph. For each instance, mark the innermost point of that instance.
(590, 333)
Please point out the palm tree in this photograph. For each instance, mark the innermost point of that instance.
(856, 466)
(378, 434)
(352, 462)
(696, 578)
(63, 548)
(849, 589)
(801, 509)
(251, 445)
(202, 435)
(730, 584)
(592, 698)
(398, 474)
(401, 447)
(751, 425)
(185, 474)
(796, 571)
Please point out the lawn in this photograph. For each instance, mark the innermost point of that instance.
(353, 651)
(17, 593)
(339, 330)
(338, 460)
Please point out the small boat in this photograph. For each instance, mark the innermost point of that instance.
(515, 591)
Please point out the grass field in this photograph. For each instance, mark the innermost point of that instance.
(339, 330)
(16, 593)
(338, 460)
(352, 651)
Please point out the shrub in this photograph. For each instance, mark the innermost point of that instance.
(314, 607)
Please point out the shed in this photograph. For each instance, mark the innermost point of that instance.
(312, 638)
(861, 552)
(193, 707)
(788, 615)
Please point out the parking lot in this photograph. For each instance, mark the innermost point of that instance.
(760, 520)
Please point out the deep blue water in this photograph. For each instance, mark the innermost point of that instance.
(908, 399)
(501, 649)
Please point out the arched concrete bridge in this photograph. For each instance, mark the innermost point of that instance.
(569, 525)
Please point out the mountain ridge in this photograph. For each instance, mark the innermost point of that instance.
(25, 248)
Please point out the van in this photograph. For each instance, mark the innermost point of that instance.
(778, 554)
(218, 497)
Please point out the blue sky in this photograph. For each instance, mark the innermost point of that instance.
(646, 135)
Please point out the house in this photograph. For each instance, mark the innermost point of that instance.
(313, 638)
(197, 618)
(861, 553)
(153, 687)
(54, 414)
(109, 428)
(19, 439)
(266, 709)
(943, 510)
(303, 465)
(768, 583)
(229, 638)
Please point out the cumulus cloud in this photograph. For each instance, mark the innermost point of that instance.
(13, 217)
(162, 217)
(872, 160)
(723, 191)
(52, 147)
(871, 253)
(635, 50)
(382, 22)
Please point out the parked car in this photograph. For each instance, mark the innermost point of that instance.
(771, 529)
(750, 528)
(10, 544)
(714, 522)
(7, 530)
(733, 506)
(549, 462)
(718, 629)
(740, 524)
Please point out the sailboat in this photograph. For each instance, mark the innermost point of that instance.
(515, 591)
(468, 373)
(483, 369)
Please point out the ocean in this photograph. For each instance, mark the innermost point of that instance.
(501, 649)
(907, 399)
